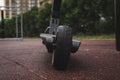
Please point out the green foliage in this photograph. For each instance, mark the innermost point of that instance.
(36, 20)
(84, 16)
(10, 28)
(29, 20)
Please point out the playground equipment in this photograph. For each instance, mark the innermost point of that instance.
(58, 39)
(17, 30)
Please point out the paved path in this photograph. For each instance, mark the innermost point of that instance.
(29, 60)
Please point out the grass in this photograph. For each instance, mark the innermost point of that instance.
(86, 37)
(94, 37)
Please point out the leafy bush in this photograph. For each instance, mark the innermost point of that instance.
(84, 16)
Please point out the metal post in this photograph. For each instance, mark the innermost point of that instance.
(117, 23)
(2, 23)
(16, 26)
(21, 24)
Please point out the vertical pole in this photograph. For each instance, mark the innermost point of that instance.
(2, 23)
(10, 6)
(16, 26)
(55, 14)
(117, 23)
(56, 8)
(21, 24)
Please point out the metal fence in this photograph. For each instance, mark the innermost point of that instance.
(8, 13)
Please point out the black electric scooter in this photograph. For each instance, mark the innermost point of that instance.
(58, 39)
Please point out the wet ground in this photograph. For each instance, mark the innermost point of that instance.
(29, 60)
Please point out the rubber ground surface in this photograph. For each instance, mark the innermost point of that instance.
(29, 60)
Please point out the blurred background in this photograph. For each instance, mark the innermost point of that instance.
(86, 17)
